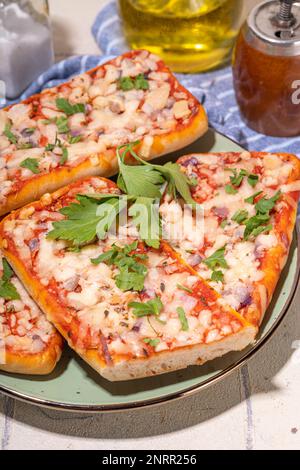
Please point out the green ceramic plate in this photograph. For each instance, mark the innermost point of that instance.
(75, 386)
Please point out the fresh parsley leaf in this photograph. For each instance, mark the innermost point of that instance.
(132, 272)
(240, 216)
(84, 220)
(251, 199)
(186, 289)
(217, 259)
(177, 180)
(11, 137)
(152, 341)
(230, 189)
(25, 146)
(145, 216)
(126, 83)
(252, 179)
(257, 231)
(141, 83)
(65, 155)
(127, 280)
(75, 139)
(148, 179)
(7, 289)
(224, 223)
(253, 223)
(183, 320)
(237, 178)
(217, 276)
(142, 309)
(264, 205)
(50, 147)
(29, 130)
(65, 106)
(7, 271)
(31, 164)
(62, 125)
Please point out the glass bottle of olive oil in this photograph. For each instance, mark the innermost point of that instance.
(190, 35)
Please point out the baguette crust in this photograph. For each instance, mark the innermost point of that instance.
(271, 259)
(124, 366)
(34, 364)
(105, 163)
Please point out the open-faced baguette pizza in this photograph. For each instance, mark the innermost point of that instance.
(249, 203)
(72, 131)
(128, 309)
(29, 344)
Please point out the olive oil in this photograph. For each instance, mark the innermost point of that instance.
(190, 35)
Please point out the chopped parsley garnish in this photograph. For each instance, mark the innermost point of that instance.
(31, 164)
(147, 179)
(251, 199)
(217, 276)
(216, 260)
(240, 216)
(87, 218)
(152, 341)
(64, 157)
(224, 223)
(7, 289)
(66, 107)
(75, 139)
(230, 189)
(62, 125)
(11, 137)
(182, 317)
(252, 180)
(138, 83)
(132, 272)
(143, 309)
(264, 205)
(186, 289)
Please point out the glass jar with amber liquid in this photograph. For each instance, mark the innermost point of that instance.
(190, 35)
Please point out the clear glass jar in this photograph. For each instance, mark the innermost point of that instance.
(26, 48)
(190, 35)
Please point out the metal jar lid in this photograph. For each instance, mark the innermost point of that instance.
(273, 27)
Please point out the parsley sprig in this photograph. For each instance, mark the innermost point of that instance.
(138, 83)
(237, 178)
(69, 109)
(215, 261)
(7, 289)
(143, 309)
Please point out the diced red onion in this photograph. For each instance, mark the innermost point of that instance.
(195, 259)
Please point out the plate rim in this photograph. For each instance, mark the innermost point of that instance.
(174, 396)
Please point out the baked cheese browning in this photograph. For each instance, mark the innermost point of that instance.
(249, 202)
(29, 343)
(76, 126)
(96, 307)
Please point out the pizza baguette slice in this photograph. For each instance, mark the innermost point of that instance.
(29, 344)
(72, 131)
(249, 203)
(128, 309)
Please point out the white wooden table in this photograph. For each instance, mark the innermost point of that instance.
(256, 408)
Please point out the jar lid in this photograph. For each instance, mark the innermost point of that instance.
(274, 27)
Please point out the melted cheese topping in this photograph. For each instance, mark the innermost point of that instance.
(112, 117)
(105, 321)
(242, 257)
(23, 326)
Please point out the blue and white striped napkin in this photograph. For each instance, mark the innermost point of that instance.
(214, 89)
